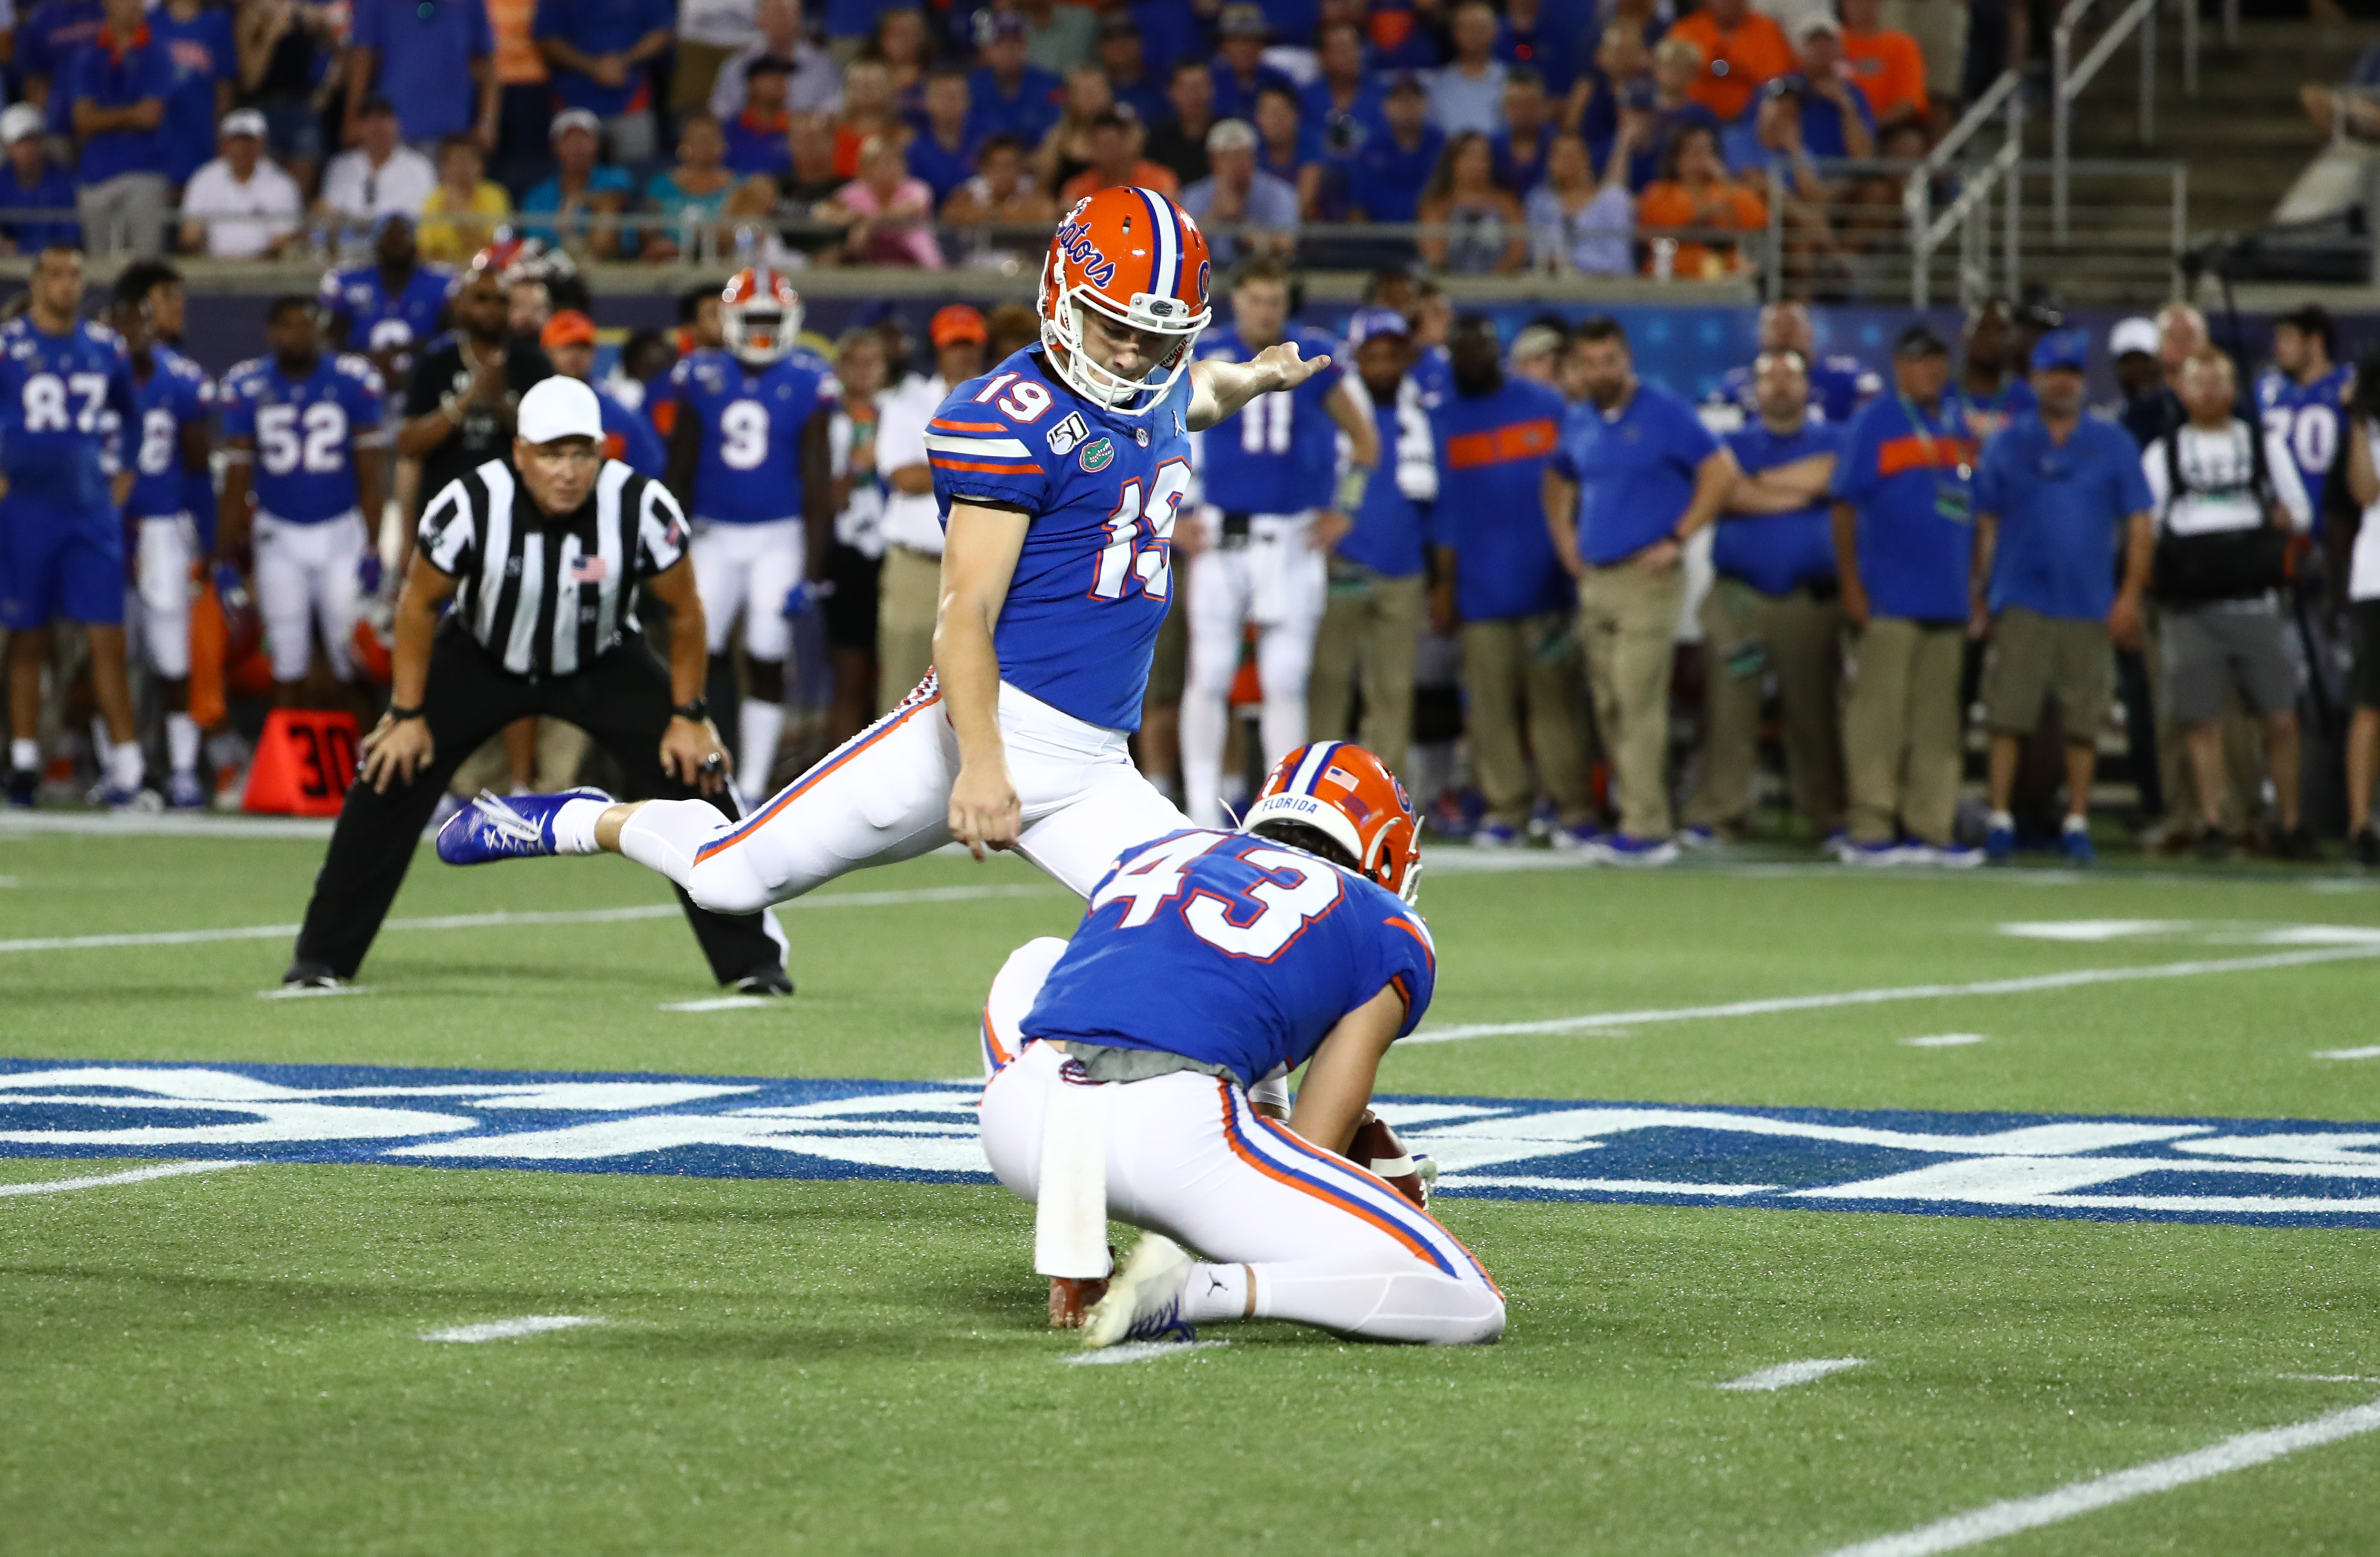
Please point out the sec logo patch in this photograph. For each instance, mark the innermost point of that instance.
(1097, 456)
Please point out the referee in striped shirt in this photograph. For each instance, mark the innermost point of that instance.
(541, 559)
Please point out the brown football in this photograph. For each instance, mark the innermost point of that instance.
(1376, 1147)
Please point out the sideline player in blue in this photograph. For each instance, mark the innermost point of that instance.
(750, 460)
(2303, 395)
(61, 541)
(1123, 1062)
(162, 448)
(309, 427)
(1060, 474)
(1840, 384)
(396, 286)
(1275, 505)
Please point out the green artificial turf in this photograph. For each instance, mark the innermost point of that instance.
(230, 1361)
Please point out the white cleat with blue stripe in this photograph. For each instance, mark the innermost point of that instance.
(1143, 1300)
(499, 827)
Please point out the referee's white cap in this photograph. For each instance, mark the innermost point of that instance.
(559, 408)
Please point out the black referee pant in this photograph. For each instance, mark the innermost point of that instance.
(623, 703)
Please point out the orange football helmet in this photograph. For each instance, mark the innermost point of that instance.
(1138, 258)
(1345, 794)
(759, 314)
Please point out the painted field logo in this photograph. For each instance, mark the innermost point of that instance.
(2255, 1172)
(1097, 455)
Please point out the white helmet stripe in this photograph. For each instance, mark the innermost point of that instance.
(1318, 760)
(1165, 272)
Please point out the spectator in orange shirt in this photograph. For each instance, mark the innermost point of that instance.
(1115, 159)
(1694, 192)
(1742, 50)
(867, 110)
(1885, 64)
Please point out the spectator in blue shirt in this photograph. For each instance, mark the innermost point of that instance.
(1170, 31)
(1007, 96)
(941, 151)
(1774, 608)
(1235, 195)
(1372, 616)
(1467, 92)
(1402, 38)
(569, 208)
(1905, 546)
(849, 22)
(1500, 577)
(1521, 146)
(1836, 118)
(756, 138)
(116, 104)
(1545, 36)
(1124, 58)
(434, 63)
(1180, 142)
(1636, 475)
(1390, 170)
(28, 182)
(47, 39)
(198, 39)
(1343, 102)
(1652, 118)
(2058, 495)
(1285, 148)
(598, 50)
(1240, 70)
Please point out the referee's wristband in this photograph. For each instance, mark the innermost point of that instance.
(695, 712)
(400, 715)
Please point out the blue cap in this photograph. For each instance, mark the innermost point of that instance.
(2069, 349)
(1367, 322)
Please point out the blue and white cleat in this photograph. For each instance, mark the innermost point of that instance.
(185, 793)
(493, 827)
(1143, 1300)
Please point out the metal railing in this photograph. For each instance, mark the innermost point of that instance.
(2069, 76)
(1926, 232)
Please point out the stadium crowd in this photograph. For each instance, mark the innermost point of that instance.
(1523, 135)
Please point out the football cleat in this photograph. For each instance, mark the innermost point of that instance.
(24, 789)
(2076, 842)
(769, 981)
(109, 797)
(1619, 848)
(185, 793)
(1950, 856)
(1577, 836)
(303, 975)
(1495, 836)
(492, 827)
(1872, 854)
(2366, 848)
(1999, 844)
(1144, 1299)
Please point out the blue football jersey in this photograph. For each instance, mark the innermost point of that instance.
(750, 472)
(1233, 950)
(1838, 386)
(362, 294)
(2308, 417)
(176, 395)
(305, 432)
(1103, 490)
(57, 396)
(1281, 454)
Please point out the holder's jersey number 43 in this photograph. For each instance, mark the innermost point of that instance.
(1258, 923)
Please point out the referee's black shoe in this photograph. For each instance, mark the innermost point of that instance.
(305, 975)
(769, 981)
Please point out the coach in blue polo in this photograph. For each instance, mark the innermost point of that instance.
(2058, 494)
(1635, 476)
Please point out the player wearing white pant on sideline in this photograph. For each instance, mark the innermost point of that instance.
(1276, 503)
(1205, 959)
(1061, 473)
(749, 459)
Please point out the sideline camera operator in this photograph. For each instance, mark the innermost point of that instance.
(541, 559)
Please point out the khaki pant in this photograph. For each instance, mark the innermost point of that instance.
(560, 752)
(907, 591)
(1628, 622)
(1900, 730)
(1800, 638)
(1375, 627)
(1506, 669)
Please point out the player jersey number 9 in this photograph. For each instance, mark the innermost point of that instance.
(1258, 923)
(45, 402)
(285, 439)
(744, 436)
(156, 442)
(1124, 557)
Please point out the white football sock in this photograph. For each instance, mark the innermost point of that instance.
(1217, 1293)
(25, 756)
(125, 765)
(1205, 717)
(182, 743)
(758, 726)
(574, 825)
(2078, 823)
(2000, 818)
(1396, 1300)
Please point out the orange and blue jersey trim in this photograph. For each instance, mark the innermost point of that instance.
(1531, 439)
(910, 707)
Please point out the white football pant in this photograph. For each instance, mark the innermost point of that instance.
(1293, 1232)
(167, 545)
(1279, 582)
(748, 570)
(306, 577)
(885, 795)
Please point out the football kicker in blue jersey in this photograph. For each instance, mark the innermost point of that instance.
(305, 432)
(176, 395)
(1281, 454)
(1234, 950)
(1079, 628)
(752, 422)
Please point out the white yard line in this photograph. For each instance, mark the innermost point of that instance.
(1944, 1040)
(489, 921)
(722, 1003)
(1598, 1185)
(2328, 1378)
(2369, 1051)
(506, 1329)
(1785, 1375)
(135, 1175)
(2075, 979)
(1995, 1520)
(1137, 1351)
(184, 824)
